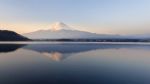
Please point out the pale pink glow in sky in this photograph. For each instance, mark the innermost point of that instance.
(101, 29)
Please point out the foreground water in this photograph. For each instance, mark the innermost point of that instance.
(74, 63)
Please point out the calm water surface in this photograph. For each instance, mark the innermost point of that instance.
(77, 63)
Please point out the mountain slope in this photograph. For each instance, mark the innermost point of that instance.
(6, 35)
(62, 31)
(65, 34)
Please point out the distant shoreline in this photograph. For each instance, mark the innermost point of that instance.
(94, 40)
(83, 40)
(67, 42)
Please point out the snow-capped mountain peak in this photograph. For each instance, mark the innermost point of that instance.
(60, 26)
(60, 30)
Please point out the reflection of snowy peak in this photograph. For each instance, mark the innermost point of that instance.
(60, 30)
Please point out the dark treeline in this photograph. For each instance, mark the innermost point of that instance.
(96, 40)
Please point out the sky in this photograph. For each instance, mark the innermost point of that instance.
(98, 16)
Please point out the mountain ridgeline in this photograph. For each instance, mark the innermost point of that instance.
(6, 35)
(62, 32)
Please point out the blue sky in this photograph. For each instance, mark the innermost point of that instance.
(100, 16)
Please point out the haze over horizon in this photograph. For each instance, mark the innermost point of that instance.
(98, 16)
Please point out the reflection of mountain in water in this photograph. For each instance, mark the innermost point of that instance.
(56, 56)
(59, 52)
(63, 48)
(9, 47)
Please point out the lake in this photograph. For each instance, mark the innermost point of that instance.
(74, 63)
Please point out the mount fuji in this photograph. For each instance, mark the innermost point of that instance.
(60, 30)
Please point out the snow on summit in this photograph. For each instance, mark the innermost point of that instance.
(60, 26)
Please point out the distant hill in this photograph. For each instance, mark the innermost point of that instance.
(6, 35)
